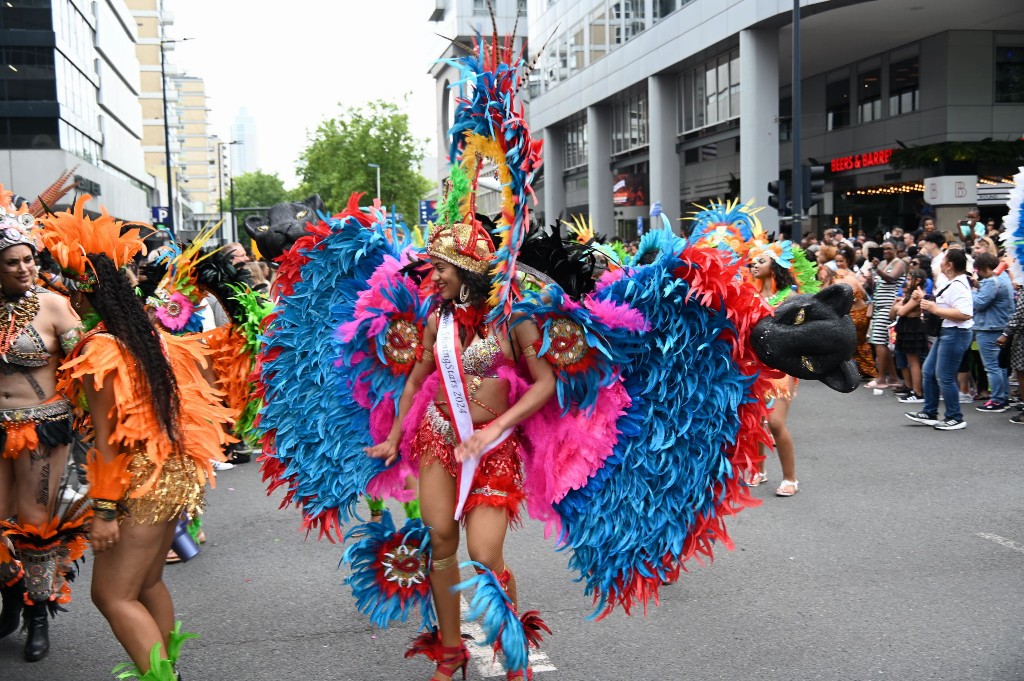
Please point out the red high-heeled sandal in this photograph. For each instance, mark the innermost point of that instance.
(449, 660)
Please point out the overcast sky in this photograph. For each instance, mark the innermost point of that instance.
(296, 63)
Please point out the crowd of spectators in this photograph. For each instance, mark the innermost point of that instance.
(937, 314)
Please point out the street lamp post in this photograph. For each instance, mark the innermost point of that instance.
(220, 183)
(374, 165)
(167, 135)
(231, 191)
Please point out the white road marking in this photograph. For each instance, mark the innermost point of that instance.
(486, 665)
(1002, 541)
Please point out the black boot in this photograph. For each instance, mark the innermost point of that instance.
(13, 602)
(38, 623)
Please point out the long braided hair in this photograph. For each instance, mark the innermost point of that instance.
(126, 319)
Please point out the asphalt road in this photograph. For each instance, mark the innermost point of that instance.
(902, 557)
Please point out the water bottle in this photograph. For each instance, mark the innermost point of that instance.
(184, 545)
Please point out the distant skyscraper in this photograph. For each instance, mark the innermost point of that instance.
(245, 157)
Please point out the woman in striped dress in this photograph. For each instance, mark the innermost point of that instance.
(888, 275)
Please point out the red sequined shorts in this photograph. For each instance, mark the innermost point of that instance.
(498, 480)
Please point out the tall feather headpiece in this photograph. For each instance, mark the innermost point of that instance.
(176, 300)
(490, 127)
(727, 225)
(72, 236)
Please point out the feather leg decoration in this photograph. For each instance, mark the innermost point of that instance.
(503, 629)
(390, 577)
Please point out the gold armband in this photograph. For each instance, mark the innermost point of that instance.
(529, 351)
(444, 563)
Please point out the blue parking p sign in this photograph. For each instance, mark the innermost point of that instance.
(160, 215)
(428, 211)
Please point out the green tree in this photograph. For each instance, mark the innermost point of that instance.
(251, 190)
(335, 164)
(257, 189)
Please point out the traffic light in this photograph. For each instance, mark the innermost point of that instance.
(777, 196)
(813, 186)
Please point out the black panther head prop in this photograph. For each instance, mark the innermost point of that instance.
(284, 225)
(812, 337)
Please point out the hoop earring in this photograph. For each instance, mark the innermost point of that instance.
(463, 293)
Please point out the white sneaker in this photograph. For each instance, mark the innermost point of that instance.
(222, 466)
(966, 398)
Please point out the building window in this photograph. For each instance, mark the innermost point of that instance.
(1010, 75)
(577, 51)
(480, 8)
(28, 16)
(869, 96)
(29, 74)
(785, 119)
(837, 104)
(662, 8)
(903, 86)
(710, 93)
(598, 34)
(28, 133)
(629, 122)
(576, 141)
(521, 7)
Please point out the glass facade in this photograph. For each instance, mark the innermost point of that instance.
(629, 121)
(710, 92)
(869, 96)
(1009, 87)
(29, 74)
(903, 86)
(837, 104)
(575, 141)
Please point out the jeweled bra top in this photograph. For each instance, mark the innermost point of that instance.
(27, 350)
(483, 357)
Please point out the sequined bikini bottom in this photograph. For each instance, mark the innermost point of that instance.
(498, 480)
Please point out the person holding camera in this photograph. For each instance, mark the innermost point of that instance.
(954, 305)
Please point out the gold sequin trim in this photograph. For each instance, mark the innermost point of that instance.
(176, 489)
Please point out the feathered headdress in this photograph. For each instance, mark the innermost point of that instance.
(490, 126)
(727, 226)
(72, 236)
(583, 231)
(177, 298)
(791, 257)
(461, 240)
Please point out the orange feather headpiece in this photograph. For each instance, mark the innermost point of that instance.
(72, 236)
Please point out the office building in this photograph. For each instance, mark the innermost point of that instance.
(683, 101)
(69, 99)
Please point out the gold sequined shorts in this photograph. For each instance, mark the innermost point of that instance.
(176, 489)
(498, 480)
